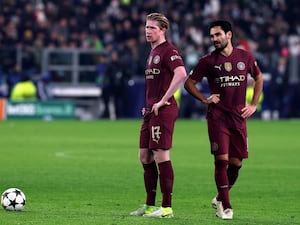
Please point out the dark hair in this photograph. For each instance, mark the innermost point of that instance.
(224, 24)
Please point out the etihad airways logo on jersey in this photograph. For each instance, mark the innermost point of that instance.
(230, 81)
(151, 72)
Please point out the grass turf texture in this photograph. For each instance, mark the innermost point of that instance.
(76, 172)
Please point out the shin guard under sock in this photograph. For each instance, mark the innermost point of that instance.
(150, 180)
(221, 180)
(166, 177)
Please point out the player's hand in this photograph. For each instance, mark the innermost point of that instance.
(214, 98)
(158, 105)
(143, 111)
(248, 110)
(146, 112)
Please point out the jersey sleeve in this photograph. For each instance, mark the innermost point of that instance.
(254, 69)
(199, 71)
(173, 59)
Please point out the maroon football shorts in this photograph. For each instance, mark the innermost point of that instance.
(227, 141)
(157, 131)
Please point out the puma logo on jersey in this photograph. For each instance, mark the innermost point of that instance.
(218, 67)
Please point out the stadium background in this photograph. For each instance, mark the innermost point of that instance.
(43, 39)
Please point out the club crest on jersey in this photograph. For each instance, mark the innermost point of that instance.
(228, 66)
(156, 59)
(240, 65)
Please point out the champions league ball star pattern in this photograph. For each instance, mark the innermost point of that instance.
(13, 199)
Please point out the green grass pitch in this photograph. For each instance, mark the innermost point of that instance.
(85, 173)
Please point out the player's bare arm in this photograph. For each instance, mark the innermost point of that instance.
(248, 110)
(179, 76)
(190, 86)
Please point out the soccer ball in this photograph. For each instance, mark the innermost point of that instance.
(13, 199)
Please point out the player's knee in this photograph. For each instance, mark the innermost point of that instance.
(145, 156)
(221, 157)
(235, 161)
(233, 168)
(161, 156)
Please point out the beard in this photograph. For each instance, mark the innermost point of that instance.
(220, 46)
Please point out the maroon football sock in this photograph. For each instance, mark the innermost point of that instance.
(221, 180)
(232, 173)
(150, 180)
(166, 177)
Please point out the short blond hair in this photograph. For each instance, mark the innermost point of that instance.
(162, 20)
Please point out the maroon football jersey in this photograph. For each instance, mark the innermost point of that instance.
(227, 76)
(159, 72)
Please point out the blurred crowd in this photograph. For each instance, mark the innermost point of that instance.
(268, 28)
